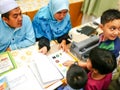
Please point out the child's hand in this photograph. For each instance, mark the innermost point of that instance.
(68, 63)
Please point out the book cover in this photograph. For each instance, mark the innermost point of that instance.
(7, 63)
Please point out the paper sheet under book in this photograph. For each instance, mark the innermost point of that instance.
(36, 73)
(47, 71)
(22, 79)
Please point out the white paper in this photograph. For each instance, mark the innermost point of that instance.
(22, 79)
(48, 72)
(58, 58)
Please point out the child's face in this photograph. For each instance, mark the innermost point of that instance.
(111, 30)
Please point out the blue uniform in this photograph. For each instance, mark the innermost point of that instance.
(45, 24)
(16, 38)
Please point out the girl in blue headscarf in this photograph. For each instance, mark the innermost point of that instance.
(52, 22)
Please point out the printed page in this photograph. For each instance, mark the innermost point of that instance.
(47, 71)
(22, 79)
(58, 58)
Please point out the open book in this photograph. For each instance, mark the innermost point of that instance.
(49, 69)
(45, 72)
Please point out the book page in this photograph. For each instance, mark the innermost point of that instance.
(47, 71)
(22, 79)
(58, 58)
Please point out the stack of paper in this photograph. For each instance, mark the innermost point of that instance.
(44, 70)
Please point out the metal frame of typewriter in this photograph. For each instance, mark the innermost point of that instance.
(82, 48)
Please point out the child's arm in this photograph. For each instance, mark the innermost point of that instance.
(80, 63)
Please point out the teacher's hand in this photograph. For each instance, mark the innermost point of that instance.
(43, 50)
(63, 46)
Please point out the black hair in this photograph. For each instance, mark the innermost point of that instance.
(110, 15)
(76, 77)
(102, 60)
(6, 15)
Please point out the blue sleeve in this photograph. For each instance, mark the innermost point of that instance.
(38, 25)
(117, 47)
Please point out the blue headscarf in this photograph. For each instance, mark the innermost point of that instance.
(56, 6)
(46, 25)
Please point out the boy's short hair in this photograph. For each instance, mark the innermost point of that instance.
(76, 77)
(102, 60)
(110, 15)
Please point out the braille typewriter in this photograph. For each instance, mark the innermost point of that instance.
(81, 49)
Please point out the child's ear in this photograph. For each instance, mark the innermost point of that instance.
(101, 26)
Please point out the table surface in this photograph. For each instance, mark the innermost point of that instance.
(24, 56)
